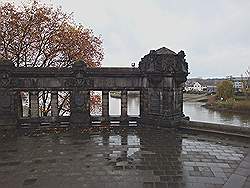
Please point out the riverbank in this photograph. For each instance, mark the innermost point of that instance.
(217, 128)
(230, 105)
(197, 112)
(195, 97)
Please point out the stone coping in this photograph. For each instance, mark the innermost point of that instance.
(216, 128)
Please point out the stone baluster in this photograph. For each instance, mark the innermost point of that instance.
(105, 107)
(34, 104)
(124, 109)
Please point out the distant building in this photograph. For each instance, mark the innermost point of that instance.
(238, 86)
(196, 87)
(238, 82)
(211, 89)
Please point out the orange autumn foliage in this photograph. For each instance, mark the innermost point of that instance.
(37, 35)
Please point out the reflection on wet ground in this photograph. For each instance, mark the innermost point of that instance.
(121, 157)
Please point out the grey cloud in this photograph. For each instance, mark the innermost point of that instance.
(214, 34)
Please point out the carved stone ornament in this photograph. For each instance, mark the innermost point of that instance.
(5, 102)
(5, 79)
(155, 80)
(16, 83)
(82, 82)
(79, 100)
(168, 65)
(78, 82)
(69, 82)
(164, 60)
(182, 62)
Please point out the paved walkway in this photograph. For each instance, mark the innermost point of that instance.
(122, 157)
(241, 176)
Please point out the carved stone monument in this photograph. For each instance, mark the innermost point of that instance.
(159, 79)
(164, 73)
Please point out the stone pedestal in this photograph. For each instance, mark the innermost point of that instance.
(105, 107)
(124, 109)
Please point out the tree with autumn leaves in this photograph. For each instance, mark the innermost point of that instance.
(38, 35)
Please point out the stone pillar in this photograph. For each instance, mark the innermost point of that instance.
(181, 100)
(165, 101)
(80, 96)
(19, 105)
(34, 104)
(124, 138)
(161, 101)
(124, 142)
(105, 107)
(54, 105)
(143, 102)
(124, 109)
(176, 94)
(8, 108)
(79, 106)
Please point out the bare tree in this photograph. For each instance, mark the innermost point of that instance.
(37, 35)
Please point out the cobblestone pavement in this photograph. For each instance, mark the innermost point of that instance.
(122, 157)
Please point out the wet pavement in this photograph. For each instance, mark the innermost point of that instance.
(122, 157)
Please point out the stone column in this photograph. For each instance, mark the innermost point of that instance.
(180, 101)
(165, 101)
(143, 105)
(124, 110)
(161, 101)
(105, 107)
(34, 104)
(54, 105)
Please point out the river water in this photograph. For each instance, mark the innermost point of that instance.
(198, 113)
(115, 106)
(191, 109)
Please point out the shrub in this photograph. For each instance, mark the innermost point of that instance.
(225, 90)
(242, 105)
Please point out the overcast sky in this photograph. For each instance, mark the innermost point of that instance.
(215, 34)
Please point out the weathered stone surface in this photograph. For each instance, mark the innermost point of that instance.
(159, 78)
(121, 157)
